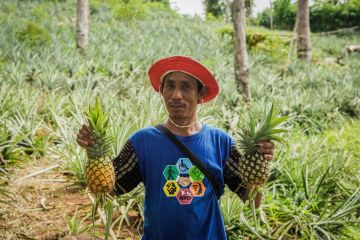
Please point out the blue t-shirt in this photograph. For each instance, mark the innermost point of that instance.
(180, 202)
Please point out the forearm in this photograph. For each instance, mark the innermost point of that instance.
(127, 170)
(233, 178)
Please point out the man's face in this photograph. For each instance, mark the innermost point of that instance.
(181, 95)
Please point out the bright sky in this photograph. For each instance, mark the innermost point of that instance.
(195, 7)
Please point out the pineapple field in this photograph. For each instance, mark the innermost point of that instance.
(47, 86)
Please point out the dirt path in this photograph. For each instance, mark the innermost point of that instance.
(40, 204)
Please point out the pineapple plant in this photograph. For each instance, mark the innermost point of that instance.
(99, 171)
(254, 168)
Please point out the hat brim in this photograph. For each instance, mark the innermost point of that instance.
(160, 68)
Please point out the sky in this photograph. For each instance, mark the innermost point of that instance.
(195, 7)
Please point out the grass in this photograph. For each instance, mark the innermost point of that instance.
(45, 87)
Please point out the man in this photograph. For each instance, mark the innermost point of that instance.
(187, 207)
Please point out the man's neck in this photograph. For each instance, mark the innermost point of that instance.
(183, 131)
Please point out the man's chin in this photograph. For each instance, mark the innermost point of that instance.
(176, 111)
(177, 114)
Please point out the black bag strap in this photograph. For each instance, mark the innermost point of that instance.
(194, 160)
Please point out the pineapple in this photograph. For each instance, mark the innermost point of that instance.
(254, 168)
(99, 171)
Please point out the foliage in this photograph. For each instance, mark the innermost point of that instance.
(126, 10)
(259, 40)
(75, 225)
(217, 8)
(164, 2)
(213, 7)
(34, 34)
(324, 15)
(130, 11)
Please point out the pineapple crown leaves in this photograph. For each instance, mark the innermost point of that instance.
(99, 123)
(268, 128)
(98, 118)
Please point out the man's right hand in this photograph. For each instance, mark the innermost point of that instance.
(85, 137)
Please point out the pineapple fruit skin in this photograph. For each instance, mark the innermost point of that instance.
(254, 169)
(100, 175)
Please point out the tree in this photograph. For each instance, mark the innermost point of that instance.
(227, 11)
(219, 8)
(249, 5)
(303, 31)
(82, 25)
(213, 7)
(165, 2)
(271, 16)
(241, 57)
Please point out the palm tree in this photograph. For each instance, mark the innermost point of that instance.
(241, 57)
(82, 25)
(303, 31)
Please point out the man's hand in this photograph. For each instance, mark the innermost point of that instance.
(245, 196)
(266, 148)
(85, 137)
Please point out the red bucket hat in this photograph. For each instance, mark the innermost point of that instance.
(187, 65)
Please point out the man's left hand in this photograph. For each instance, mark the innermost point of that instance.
(266, 148)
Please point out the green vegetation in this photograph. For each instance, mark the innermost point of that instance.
(325, 15)
(46, 86)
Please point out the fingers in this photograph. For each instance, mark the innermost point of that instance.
(85, 134)
(266, 151)
(82, 143)
(266, 148)
(266, 144)
(86, 127)
(85, 137)
(268, 157)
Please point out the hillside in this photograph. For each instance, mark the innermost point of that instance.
(46, 85)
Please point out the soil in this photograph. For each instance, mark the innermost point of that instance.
(40, 204)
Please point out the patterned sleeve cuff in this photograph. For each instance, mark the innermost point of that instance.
(127, 170)
(232, 176)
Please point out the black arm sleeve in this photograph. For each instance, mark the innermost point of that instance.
(232, 176)
(127, 171)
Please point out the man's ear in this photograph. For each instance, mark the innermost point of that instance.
(161, 87)
(202, 93)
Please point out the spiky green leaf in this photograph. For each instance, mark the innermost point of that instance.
(267, 128)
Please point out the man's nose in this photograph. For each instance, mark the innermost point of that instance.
(177, 94)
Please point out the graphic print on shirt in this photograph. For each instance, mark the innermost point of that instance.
(171, 188)
(184, 181)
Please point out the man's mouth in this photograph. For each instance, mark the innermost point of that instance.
(176, 105)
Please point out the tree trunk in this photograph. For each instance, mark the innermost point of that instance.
(271, 16)
(303, 31)
(82, 25)
(227, 11)
(241, 57)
